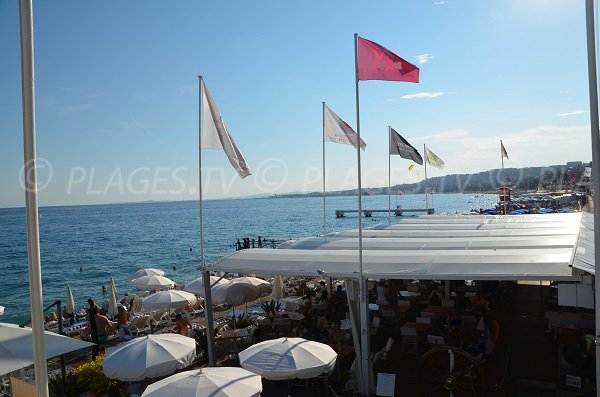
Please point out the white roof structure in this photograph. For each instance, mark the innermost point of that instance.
(462, 247)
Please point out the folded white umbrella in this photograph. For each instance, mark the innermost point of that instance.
(197, 286)
(234, 293)
(170, 299)
(209, 381)
(16, 346)
(288, 358)
(149, 356)
(263, 286)
(112, 299)
(70, 307)
(152, 282)
(146, 272)
(278, 288)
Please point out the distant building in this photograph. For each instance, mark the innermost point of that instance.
(574, 164)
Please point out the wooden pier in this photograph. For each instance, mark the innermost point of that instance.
(397, 211)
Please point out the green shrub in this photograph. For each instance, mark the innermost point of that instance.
(240, 321)
(91, 375)
(271, 306)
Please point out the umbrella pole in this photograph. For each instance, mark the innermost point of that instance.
(63, 371)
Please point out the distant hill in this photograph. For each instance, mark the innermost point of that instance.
(551, 177)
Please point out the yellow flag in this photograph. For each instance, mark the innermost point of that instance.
(411, 167)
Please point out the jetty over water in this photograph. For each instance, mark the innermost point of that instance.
(398, 211)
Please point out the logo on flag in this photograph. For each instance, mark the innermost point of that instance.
(400, 146)
(338, 131)
(433, 159)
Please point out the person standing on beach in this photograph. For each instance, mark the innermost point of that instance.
(103, 326)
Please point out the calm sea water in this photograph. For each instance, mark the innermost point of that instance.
(119, 239)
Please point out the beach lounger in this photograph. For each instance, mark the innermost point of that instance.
(139, 325)
(160, 319)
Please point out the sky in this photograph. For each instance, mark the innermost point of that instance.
(117, 93)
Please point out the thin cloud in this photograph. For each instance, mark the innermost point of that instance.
(526, 147)
(574, 113)
(423, 58)
(423, 95)
(439, 3)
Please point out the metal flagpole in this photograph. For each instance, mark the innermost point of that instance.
(324, 212)
(425, 162)
(502, 178)
(595, 130)
(31, 201)
(364, 314)
(389, 174)
(208, 308)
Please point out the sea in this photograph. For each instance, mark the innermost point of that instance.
(81, 246)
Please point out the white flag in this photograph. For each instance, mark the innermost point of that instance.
(433, 159)
(338, 131)
(216, 136)
(503, 150)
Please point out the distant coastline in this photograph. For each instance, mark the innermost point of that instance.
(521, 179)
(553, 177)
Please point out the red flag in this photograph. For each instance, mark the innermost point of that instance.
(376, 62)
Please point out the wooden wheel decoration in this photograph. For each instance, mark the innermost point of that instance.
(449, 372)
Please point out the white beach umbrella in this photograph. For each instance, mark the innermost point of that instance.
(112, 299)
(234, 293)
(197, 286)
(278, 288)
(70, 307)
(152, 282)
(288, 358)
(264, 287)
(209, 381)
(170, 299)
(146, 272)
(16, 346)
(149, 356)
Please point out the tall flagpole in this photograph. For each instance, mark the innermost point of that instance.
(502, 178)
(324, 211)
(389, 174)
(426, 199)
(208, 308)
(364, 314)
(31, 202)
(595, 130)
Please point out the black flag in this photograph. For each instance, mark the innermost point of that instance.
(401, 147)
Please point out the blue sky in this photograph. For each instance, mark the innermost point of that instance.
(117, 92)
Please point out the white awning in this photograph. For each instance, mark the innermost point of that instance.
(534, 247)
(584, 255)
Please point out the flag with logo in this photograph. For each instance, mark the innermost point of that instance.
(338, 131)
(216, 136)
(400, 146)
(376, 62)
(433, 159)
